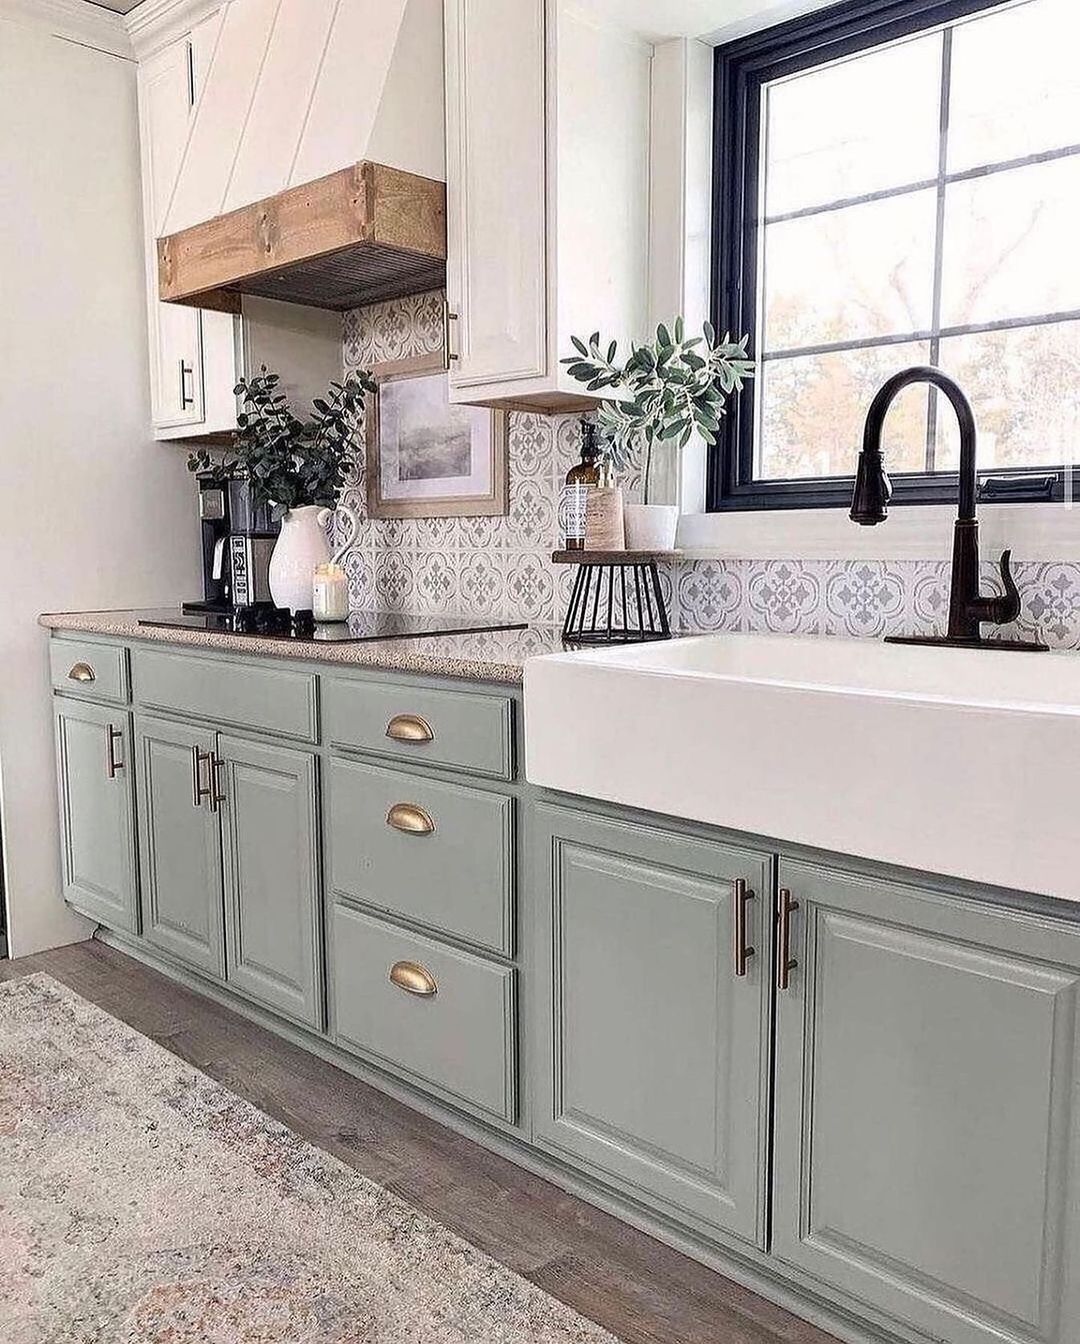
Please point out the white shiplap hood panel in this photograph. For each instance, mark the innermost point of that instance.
(297, 89)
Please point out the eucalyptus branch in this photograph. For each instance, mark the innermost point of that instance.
(289, 462)
(666, 389)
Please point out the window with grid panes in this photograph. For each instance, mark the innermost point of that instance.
(898, 184)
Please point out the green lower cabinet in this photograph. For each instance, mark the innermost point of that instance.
(927, 1141)
(180, 844)
(444, 1017)
(651, 1053)
(97, 812)
(273, 947)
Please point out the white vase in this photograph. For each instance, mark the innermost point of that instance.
(301, 545)
(651, 527)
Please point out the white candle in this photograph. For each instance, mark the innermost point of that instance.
(330, 594)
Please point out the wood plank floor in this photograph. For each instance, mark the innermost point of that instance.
(639, 1289)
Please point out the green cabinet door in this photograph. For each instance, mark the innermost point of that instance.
(97, 812)
(270, 844)
(650, 1067)
(179, 844)
(927, 1143)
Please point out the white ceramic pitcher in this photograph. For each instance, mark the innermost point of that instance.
(301, 545)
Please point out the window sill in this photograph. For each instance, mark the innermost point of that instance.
(912, 532)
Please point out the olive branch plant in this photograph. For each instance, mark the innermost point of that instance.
(668, 388)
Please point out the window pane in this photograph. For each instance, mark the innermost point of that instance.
(1011, 245)
(1015, 83)
(813, 408)
(865, 270)
(1024, 385)
(854, 127)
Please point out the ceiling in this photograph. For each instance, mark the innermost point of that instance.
(711, 20)
(117, 6)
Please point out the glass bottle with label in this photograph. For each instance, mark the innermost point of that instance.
(579, 479)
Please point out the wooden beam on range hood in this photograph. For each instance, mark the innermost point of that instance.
(358, 236)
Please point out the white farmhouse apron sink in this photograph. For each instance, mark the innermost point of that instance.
(953, 761)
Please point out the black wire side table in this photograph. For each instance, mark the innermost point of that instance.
(616, 597)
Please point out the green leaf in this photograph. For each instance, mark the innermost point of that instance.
(579, 345)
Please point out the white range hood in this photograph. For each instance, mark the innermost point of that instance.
(319, 130)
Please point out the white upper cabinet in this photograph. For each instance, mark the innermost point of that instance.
(192, 354)
(496, 275)
(547, 121)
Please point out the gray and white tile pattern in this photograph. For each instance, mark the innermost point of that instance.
(502, 566)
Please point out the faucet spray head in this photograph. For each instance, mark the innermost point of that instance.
(873, 489)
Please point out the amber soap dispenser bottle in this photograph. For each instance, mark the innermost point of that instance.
(579, 479)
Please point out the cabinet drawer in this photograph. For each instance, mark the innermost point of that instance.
(436, 852)
(459, 1038)
(84, 668)
(276, 700)
(409, 723)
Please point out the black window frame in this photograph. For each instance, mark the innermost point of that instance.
(741, 68)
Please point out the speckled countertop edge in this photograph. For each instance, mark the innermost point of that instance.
(493, 655)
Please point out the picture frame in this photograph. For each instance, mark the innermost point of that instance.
(425, 457)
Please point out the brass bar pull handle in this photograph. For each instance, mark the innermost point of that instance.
(413, 979)
(785, 962)
(215, 793)
(112, 736)
(199, 791)
(449, 316)
(740, 895)
(81, 672)
(409, 728)
(410, 818)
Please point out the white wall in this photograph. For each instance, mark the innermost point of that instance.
(92, 512)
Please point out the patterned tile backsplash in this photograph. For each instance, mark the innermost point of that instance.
(502, 566)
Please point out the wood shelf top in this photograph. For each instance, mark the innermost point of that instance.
(611, 557)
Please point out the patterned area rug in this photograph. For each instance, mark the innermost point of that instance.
(143, 1203)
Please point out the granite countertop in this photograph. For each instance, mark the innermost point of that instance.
(492, 655)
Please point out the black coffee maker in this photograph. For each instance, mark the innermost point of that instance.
(238, 538)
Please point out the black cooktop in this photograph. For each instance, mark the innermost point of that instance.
(361, 626)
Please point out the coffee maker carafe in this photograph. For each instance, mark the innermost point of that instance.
(238, 538)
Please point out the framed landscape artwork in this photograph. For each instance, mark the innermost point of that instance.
(426, 458)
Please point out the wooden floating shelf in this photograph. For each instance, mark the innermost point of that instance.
(612, 557)
(361, 235)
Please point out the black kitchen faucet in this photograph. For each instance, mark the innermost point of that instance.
(968, 606)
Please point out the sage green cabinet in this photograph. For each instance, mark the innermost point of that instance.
(651, 1050)
(97, 812)
(180, 843)
(273, 946)
(435, 852)
(229, 851)
(444, 1017)
(927, 1141)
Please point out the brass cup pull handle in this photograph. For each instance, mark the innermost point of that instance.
(112, 736)
(742, 953)
(413, 979)
(409, 728)
(199, 790)
(785, 962)
(81, 672)
(410, 818)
